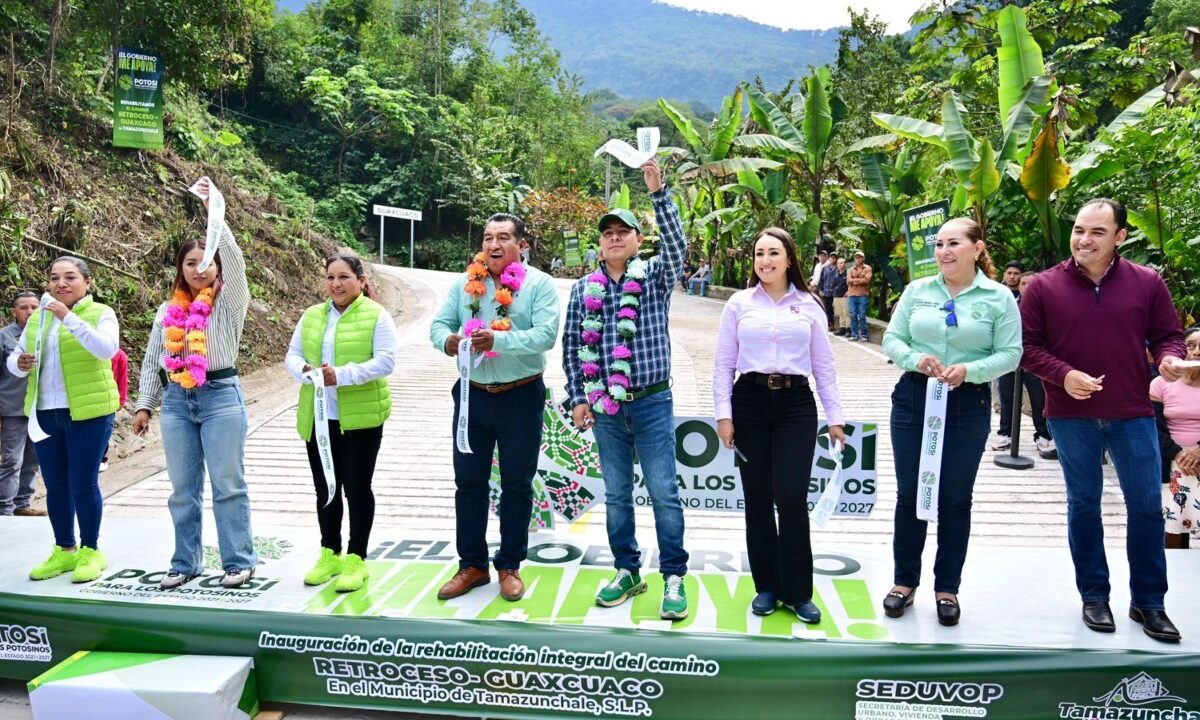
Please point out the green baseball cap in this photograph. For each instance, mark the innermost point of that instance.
(622, 216)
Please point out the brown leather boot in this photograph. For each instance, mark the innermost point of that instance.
(463, 582)
(511, 586)
(29, 512)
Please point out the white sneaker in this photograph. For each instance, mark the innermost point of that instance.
(1045, 448)
(236, 578)
(175, 579)
(1003, 442)
(103, 466)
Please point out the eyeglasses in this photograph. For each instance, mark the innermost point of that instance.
(951, 318)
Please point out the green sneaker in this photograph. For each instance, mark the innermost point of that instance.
(624, 586)
(327, 566)
(674, 602)
(354, 574)
(59, 562)
(89, 565)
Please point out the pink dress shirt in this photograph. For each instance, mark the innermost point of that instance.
(787, 337)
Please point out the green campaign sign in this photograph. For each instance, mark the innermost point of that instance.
(572, 257)
(138, 100)
(920, 229)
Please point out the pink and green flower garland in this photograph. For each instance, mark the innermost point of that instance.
(606, 396)
(511, 279)
(184, 324)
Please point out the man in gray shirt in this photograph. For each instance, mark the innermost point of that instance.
(18, 462)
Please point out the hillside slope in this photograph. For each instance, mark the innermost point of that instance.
(62, 184)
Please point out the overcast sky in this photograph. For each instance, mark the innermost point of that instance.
(807, 14)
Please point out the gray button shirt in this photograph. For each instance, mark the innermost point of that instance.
(12, 388)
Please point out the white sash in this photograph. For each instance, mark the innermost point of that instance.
(216, 221)
(929, 475)
(36, 433)
(832, 493)
(321, 430)
(464, 396)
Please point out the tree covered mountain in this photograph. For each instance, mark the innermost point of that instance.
(643, 50)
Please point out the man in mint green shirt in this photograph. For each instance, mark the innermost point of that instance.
(510, 311)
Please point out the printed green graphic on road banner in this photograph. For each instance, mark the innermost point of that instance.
(571, 255)
(920, 230)
(138, 100)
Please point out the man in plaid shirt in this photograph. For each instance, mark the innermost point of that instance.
(645, 422)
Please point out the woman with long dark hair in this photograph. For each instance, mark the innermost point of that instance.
(962, 328)
(191, 367)
(350, 340)
(773, 335)
(68, 346)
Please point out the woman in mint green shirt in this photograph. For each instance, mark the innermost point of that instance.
(963, 328)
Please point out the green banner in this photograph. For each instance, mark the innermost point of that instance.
(519, 670)
(920, 230)
(572, 256)
(138, 100)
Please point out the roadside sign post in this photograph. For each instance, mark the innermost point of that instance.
(412, 216)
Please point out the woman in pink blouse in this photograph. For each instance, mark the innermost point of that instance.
(773, 336)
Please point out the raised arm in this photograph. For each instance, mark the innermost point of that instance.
(235, 289)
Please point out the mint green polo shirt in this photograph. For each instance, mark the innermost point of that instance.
(987, 338)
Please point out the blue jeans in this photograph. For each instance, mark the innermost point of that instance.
(858, 315)
(1133, 446)
(206, 426)
(703, 283)
(70, 460)
(968, 421)
(508, 423)
(647, 426)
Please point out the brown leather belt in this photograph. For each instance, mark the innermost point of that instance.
(502, 387)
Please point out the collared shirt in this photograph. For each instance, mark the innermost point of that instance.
(815, 283)
(384, 346)
(987, 338)
(534, 314)
(859, 280)
(829, 280)
(12, 387)
(224, 333)
(651, 346)
(1101, 328)
(758, 334)
(101, 341)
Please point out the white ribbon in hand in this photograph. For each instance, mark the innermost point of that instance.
(321, 431)
(929, 474)
(216, 219)
(34, 428)
(833, 490)
(647, 138)
(464, 396)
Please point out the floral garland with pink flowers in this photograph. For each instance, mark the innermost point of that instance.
(184, 324)
(606, 396)
(511, 279)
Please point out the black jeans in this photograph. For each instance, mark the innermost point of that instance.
(777, 432)
(512, 422)
(354, 455)
(1037, 404)
(968, 420)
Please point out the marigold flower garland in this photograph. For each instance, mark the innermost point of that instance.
(511, 279)
(606, 397)
(184, 324)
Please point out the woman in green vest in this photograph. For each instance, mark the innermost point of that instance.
(190, 367)
(67, 347)
(348, 345)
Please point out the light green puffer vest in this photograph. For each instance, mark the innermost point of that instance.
(359, 406)
(91, 388)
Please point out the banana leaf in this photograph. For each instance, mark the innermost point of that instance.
(772, 119)
(818, 123)
(1045, 171)
(874, 174)
(775, 186)
(1019, 123)
(1019, 57)
(730, 166)
(912, 128)
(984, 177)
(960, 146)
(727, 126)
(773, 143)
(872, 143)
(684, 126)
